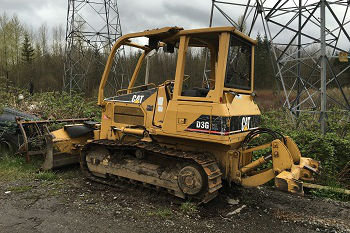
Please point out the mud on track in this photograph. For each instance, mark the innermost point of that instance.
(73, 204)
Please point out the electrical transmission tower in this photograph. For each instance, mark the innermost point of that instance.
(92, 28)
(309, 45)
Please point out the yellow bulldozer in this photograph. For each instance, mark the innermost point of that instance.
(187, 140)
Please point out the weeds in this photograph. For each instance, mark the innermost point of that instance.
(46, 176)
(15, 167)
(48, 105)
(164, 213)
(20, 189)
(188, 208)
(58, 105)
(333, 149)
(332, 193)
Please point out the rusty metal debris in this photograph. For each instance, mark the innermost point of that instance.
(35, 134)
(28, 135)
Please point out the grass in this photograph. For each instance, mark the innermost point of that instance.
(335, 191)
(47, 176)
(188, 208)
(164, 213)
(69, 172)
(20, 189)
(14, 167)
(272, 99)
(332, 193)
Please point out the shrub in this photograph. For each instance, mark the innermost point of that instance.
(332, 149)
(58, 105)
(48, 105)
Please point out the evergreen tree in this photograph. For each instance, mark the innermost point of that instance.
(27, 50)
(27, 58)
(264, 76)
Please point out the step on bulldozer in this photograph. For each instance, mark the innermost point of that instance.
(186, 140)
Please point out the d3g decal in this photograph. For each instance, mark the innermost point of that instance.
(224, 125)
(202, 125)
(245, 125)
(137, 99)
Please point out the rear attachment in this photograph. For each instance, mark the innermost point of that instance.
(288, 167)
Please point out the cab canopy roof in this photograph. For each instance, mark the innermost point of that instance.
(170, 34)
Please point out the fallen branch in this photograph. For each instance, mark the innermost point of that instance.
(317, 186)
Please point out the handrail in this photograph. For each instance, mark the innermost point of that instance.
(124, 40)
(119, 92)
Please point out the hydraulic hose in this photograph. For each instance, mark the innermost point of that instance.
(255, 132)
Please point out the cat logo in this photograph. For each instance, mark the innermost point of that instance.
(245, 123)
(137, 99)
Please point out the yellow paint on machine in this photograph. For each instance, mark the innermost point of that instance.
(180, 119)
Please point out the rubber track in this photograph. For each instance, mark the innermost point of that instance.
(206, 160)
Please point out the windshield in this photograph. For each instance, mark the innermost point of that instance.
(238, 69)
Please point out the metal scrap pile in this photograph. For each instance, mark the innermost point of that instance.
(11, 138)
(28, 135)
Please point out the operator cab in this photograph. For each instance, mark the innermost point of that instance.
(238, 65)
(208, 91)
(206, 63)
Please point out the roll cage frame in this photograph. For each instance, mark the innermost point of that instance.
(176, 35)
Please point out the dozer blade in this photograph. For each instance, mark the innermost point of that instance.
(57, 159)
(48, 163)
(63, 145)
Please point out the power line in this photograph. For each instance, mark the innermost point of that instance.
(305, 38)
(92, 29)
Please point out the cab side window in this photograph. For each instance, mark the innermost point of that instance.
(238, 70)
(199, 72)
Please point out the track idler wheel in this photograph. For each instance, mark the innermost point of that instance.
(140, 154)
(191, 181)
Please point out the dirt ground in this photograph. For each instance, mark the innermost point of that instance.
(74, 204)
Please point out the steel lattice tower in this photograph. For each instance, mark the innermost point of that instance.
(306, 38)
(92, 28)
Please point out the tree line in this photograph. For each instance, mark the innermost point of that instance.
(30, 58)
(34, 59)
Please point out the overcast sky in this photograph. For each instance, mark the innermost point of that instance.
(139, 15)
(134, 14)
